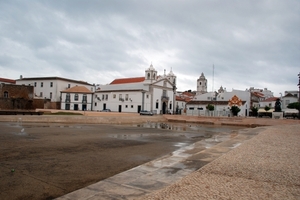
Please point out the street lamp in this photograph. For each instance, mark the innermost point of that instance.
(299, 97)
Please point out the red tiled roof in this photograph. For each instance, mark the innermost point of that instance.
(270, 99)
(7, 80)
(258, 94)
(128, 80)
(78, 89)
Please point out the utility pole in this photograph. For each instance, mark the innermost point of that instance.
(299, 97)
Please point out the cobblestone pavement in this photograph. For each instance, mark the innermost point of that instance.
(265, 167)
(176, 177)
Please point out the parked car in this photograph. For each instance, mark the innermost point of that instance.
(106, 110)
(146, 112)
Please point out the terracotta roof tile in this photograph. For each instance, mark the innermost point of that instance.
(7, 80)
(77, 89)
(127, 80)
(270, 99)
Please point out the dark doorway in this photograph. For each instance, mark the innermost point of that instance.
(83, 106)
(139, 109)
(120, 108)
(104, 106)
(75, 106)
(164, 106)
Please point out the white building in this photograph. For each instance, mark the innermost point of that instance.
(49, 88)
(289, 97)
(267, 93)
(181, 100)
(77, 98)
(201, 84)
(222, 102)
(151, 92)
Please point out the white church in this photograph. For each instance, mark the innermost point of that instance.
(221, 100)
(151, 92)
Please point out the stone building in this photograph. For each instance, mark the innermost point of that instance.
(16, 97)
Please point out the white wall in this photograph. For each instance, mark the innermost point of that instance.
(78, 102)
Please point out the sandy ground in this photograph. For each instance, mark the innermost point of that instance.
(48, 160)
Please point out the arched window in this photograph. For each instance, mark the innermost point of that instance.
(200, 83)
(5, 95)
(154, 76)
(148, 76)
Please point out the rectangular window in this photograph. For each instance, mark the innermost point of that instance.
(41, 94)
(106, 97)
(34, 84)
(164, 93)
(156, 105)
(126, 106)
(50, 95)
(147, 96)
(42, 84)
(191, 108)
(131, 106)
(114, 96)
(102, 96)
(287, 102)
(67, 97)
(126, 97)
(5, 94)
(84, 98)
(69, 85)
(51, 84)
(76, 97)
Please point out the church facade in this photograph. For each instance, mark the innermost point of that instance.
(152, 92)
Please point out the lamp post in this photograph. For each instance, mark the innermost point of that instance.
(299, 97)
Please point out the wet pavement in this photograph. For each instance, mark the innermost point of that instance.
(160, 173)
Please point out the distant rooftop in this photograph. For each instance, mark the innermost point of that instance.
(54, 78)
(78, 89)
(128, 80)
(6, 80)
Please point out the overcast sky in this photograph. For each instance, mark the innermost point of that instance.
(253, 43)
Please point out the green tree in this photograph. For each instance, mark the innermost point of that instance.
(235, 110)
(294, 105)
(210, 107)
(267, 108)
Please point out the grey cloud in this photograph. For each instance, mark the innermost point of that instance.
(251, 43)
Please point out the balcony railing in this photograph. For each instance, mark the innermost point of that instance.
(67, 100)
(84, 101)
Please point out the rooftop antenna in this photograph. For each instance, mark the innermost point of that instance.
(213, 78)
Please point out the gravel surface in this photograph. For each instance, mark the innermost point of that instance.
(265, 167)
